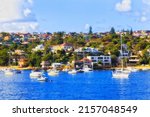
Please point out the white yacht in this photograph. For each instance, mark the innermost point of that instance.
(122, 73)
(53, 72)
(73, 71)
(42, 78)
(35, 74)
(87, 69)
(145, 69)
(8, 72)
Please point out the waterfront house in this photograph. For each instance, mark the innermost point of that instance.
(83, 62)
(86, 62)
(57, 65)
(133, 60)
(105, 60)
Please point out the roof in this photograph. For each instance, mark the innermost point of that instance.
(85, 59)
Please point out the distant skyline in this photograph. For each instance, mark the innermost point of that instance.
(73, 15)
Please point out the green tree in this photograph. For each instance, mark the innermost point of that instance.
(90, 30)
(35, 59)
(4, 57)
(112, 30)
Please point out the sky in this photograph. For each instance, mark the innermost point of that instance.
(73, 15)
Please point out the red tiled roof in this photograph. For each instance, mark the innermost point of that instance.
(85, 59)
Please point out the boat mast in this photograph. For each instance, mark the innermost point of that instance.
(121, 53)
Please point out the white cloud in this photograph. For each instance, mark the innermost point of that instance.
(10, 10)
(18, 26)
(27, 12)
(30, 1)
(146, 2)
(123, 6)
(143, 19)
(16, 16)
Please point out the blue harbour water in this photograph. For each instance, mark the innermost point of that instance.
(96, 85)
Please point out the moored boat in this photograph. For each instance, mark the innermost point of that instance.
(35, 74)
(8, 72)
(73, 71)
(42, 79)
(53, 72)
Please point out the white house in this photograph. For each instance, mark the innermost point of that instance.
(106, 60)
(125, 54)
(87, 49)
(57, 65)
(133, 60)
(67, 46)
(38, 47)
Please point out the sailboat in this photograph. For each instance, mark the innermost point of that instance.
(53, 72)
(121, 73)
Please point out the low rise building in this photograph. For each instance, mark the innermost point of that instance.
(133, 60)
(105, 60)
(38, 48)
(86, 50)
(57, 65)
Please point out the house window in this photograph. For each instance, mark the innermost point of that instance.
(106, 60)
(100, 58)
(92, 58)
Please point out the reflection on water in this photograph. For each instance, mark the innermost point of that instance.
(96, 85)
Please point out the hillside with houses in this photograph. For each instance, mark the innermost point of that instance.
(100, 50)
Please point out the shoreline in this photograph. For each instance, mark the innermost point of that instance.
(139, 67)
(16, 67)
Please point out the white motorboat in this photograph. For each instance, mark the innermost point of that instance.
(87, 69)
(72, 71)
(35, 74)
(120, 74)
(8, 72)
(65, 70)
(42, 78)
(53, 72)
(145, 69)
